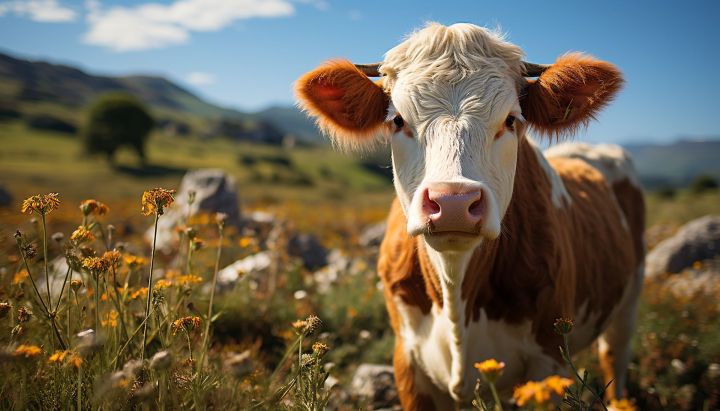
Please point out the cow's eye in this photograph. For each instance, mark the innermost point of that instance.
(399, 122)
(510, 122)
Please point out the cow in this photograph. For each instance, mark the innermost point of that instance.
(489, 239)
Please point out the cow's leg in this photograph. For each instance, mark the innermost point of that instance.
(405, 381)
(614, 344)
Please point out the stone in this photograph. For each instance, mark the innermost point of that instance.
(308, 248)
(373, 235)
(6, 199)
(215, 191)
(375, 384)
(698, 240)
(252, 266)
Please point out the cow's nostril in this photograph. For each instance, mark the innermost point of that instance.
(430, 206)
(476, 208)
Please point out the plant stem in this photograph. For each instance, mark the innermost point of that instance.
(496, 397)
(137, 330)
(149, 292)
(206, 334)
(566, 355)
(50, 317)
(45, 258)
(67, 274)
(97, 302)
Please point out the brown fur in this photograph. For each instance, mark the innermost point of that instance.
(537, 269)
(569, 94)
(348, 106)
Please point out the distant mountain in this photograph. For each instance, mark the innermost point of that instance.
(291, 121)
(34, 87)
(675, 164)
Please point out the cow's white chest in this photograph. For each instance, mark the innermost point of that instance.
(448, 363)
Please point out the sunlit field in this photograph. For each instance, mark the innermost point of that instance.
(282, 339)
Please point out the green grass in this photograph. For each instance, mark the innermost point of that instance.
(315, 187)
(683, 207)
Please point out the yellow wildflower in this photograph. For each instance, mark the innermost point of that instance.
(155, 201)
(20, 276)
(41, 203)
(28, 351)
(622, 405)
(320, 348)
(557, 384)
(307, 326)
(531, 391)
(82, 235)
(95, 265)
(111, 319)
(697, 265)
(539, 392)
(490, 369)
(188, 279)
(141, 292)
(170, 274)
(58, 357)
(93, 207)
(112, 257)
(185, 324)
(134, 261)
(244, 242)
(160, 284)
(75, 361)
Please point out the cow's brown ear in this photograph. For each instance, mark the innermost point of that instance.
(347, 105)
(569, 94)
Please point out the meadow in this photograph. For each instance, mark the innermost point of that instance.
(259, 345)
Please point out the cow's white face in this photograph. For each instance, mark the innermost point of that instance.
(450, 103)
(455, 133)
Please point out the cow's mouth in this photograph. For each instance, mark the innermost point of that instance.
(452, 240)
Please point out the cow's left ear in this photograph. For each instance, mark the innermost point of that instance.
(569, 94)
(347, 105)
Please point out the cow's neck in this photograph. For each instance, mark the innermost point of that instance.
(463, 283)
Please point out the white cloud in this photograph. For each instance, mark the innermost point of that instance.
(200, 79)
(155, 25)
(45, 11)
(321, 5)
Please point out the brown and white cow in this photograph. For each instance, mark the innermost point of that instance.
(490, 240)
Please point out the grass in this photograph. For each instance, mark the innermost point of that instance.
(314, 189)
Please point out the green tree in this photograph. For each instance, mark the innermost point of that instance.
(703, 183)
(116, 120)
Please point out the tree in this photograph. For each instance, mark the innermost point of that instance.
(116, 120)
(703, 183)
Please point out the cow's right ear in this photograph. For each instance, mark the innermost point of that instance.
(347, 105)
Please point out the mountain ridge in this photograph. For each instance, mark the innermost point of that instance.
(65, 90)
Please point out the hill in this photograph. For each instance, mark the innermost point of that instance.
(31, 88)
(675, 164)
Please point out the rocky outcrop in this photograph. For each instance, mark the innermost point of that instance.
(696, 241)
(214, 192)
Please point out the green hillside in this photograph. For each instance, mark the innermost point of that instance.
(32, 88)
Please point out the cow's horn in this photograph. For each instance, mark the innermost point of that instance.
(533, 70)
(370, 70)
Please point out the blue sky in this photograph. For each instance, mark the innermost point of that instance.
(246, 53)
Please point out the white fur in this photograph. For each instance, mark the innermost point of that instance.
(454, 87)
(611, 160)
